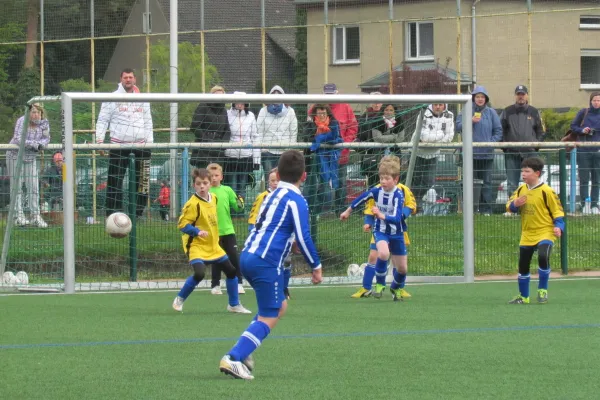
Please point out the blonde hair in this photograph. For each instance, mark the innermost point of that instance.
(40, 108)
(214, 167)
(217, 88)
(390, 165)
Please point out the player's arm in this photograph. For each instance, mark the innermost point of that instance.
(515, 202)
(369, 194)
(397, 216)
(369, 219)
(302, 231)
(254, 210)
(235, 201)
(410, 203)
(556, 210)
(188, 217)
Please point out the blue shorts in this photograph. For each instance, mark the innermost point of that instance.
(267, 282)
(395, 243)
(215, 261)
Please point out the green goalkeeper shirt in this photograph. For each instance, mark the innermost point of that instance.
(226, 200)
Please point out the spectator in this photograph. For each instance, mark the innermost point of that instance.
(486, 128)
(38, 137)
(241, 162)
(277, 124)
(52, 182)
(438, 127)
(323, 128)
(210, 124)
(370, 160)
(129, 122)
(164, 199)
(587, 127)
(520, 123)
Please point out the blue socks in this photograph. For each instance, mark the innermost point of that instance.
(287, 273)
(188, 287)
(367, 282)
(544, 277)
(399, 280)
(252, 337)
(381, 271)
(524, 284)
(232, 291)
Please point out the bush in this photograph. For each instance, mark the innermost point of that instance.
(557, 123)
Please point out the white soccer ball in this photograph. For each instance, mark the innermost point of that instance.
(118, 225)
(353, 270)
(8, 278)
(22, 278)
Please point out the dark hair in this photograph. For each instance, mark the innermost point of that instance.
(165, 182)
(291, 166)
(535, 163)
(127, 71)
(594, 94)
(313, 110)
(201, 173)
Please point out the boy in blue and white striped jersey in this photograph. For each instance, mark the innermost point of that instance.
(388, 230)
(283, 218)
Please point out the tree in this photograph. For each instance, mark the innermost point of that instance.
(32, 33)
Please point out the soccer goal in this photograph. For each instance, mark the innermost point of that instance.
(142, 165)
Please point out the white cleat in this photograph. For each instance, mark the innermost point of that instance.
(234, 368)
(178, 304)
(216, 290)
(249, 363)
(241, 289)
(39, 222)
(240, 309)
(22, 221)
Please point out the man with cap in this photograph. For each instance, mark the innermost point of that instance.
(52, 182)
(520, 123)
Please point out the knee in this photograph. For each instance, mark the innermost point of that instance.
(199, 271)
(372, 257)
(383, 254)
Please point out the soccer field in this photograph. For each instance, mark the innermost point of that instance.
(459, 341)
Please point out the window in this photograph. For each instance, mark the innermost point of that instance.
(419, 41)
(346, 45)
(589, 22)
(590, 69)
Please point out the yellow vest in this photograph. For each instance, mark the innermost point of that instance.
(203, 215)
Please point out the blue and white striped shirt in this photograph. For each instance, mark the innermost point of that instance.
(283, 218)
(390, 204)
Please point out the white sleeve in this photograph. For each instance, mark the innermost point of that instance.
(106, 112)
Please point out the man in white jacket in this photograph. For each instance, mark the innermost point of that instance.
(128, 122)
(438, 127)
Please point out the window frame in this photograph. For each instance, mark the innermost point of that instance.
(589, 53)
(408, 40)
(595, 26)
(344, 60)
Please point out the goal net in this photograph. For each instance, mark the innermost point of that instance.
(134, 153)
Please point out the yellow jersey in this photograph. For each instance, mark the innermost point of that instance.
(256, 206)
(409, 201)
(538, 214)
(201, 214)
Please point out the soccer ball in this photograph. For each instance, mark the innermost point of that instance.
(353, 270)
(118, 225)
(8, 278)
(22, 278)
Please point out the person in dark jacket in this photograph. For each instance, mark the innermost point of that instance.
(587, 127)
(210, 124)
(520, 123)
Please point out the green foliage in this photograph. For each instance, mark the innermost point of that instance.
(557, 124)
(301, 61)
(28, 85)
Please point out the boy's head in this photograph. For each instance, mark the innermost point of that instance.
(291, 167)
(216, 174)
(201, 178)
(531, 170)
(273, 179)
(389, 172)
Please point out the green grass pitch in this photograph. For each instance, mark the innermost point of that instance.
(459, 341)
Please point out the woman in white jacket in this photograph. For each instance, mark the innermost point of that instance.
(277, 124)
(239, 163)
(438, 127)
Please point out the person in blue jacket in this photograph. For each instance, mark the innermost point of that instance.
(486, 128)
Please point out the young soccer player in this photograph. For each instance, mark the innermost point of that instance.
(283, 218)
(389, 226)
(541, 223)
(410, 207)
(226, 200)
(287, 263)
(198, 223)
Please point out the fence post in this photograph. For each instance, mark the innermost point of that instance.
(132, 216)
(185, 175)
(573, 188)
(562, 160)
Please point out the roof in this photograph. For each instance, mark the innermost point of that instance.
(383, 78)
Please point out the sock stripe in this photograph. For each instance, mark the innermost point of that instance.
(381, 273)
(524, 276)
(251, 337)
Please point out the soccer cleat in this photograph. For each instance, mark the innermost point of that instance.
(178, 304)
(286, 293)
(379, 289)
(39, 222)
(21, 221)
(362, 292)
(216, 290)
(241, 289)
(240, 309)
(234, 368)
(397, 294)
(249, 362)
(542, 296)
(519, 300)
(405, 294)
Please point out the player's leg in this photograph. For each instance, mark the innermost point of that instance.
(287, 274)
(369, 273)
(215, 275)
(383, 256)
(525, 255)
(190, 283)
(400, 261)
(544, 250)
(229, 244)
(231, 282)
